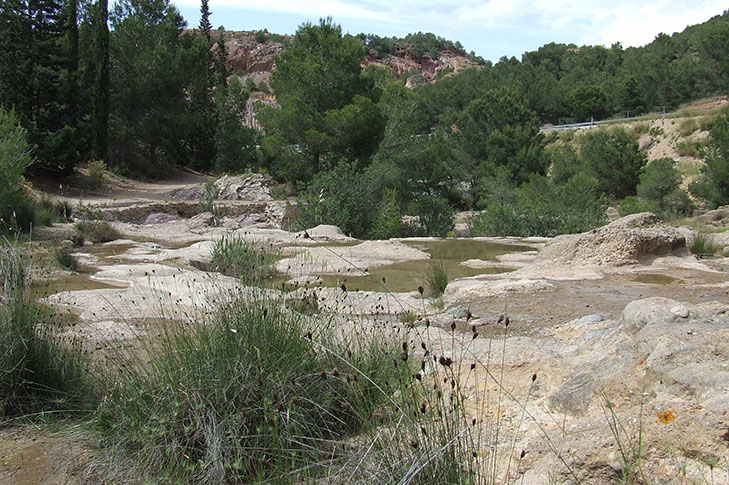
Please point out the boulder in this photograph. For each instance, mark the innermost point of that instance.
(324, 232)
(250, 187)
(623, 242)
(244, 187)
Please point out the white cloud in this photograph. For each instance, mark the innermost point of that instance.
(591, 21)
(494, 26)
(315, 8)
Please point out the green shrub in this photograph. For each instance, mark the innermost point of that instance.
(689, 148)
(97, 231)
(435, 215)
(436, 278)
(714, 186)
(387, 222)
(344, 197)
(565, 163)
(257, 393)
(634, 205)
(236, 257)
(542, 208)
(39, 370)
(16, 210)
(688, 126)
(97, 171)
(638, 129)
(615, 159)
(658, 191)
(48, 211)
(65, 258)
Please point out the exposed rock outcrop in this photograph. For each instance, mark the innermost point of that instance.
(625, 241)
(250, 187)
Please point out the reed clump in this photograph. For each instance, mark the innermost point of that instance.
(40, 370)
(236, 257)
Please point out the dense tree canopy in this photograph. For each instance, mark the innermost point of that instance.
(328, 110)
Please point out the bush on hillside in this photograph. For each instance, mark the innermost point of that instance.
(615, 159)
(714, 186)
(659, 192)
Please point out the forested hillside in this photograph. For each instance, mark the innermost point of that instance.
(348, 132)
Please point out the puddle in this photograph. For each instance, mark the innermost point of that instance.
(654, 279)
(407, 276)
(74, 282)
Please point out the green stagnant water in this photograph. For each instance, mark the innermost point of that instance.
(407, 276)
(654, 279)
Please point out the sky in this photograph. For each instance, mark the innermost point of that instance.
(491, 28)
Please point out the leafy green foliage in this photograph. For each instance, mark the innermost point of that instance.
(344, 197)
(615, 159)
(234, 256)
(435, 215)
(565, 162)
(541, 208)
(498, 129)
(97, 170)
(327, 112)
(16, 158)
(147, 124)
(387, 221)
(714, 188)
(659, 187)
(37, 77)
(235, 143)
(416, 45)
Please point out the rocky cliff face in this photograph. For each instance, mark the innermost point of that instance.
(255, 60)
(403, 65)
(248, 57)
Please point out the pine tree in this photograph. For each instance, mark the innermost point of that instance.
(100, 90)
(221, 66)
(36, 78)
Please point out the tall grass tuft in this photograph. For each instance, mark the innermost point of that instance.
(258, 393)
(97, 231)
(702, 245)
(234, 256)
(65, 258)
(436, 278)
(39, 370)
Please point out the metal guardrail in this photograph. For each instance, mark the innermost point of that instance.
(587, 124)
(592, 124)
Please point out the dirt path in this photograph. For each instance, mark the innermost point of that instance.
(119, 191)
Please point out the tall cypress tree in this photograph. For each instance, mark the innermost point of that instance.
(205, 26)
(201, 136)
(100, 91)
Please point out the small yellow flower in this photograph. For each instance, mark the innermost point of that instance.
(665, 417)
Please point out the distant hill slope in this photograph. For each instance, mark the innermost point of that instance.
(252, 54)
